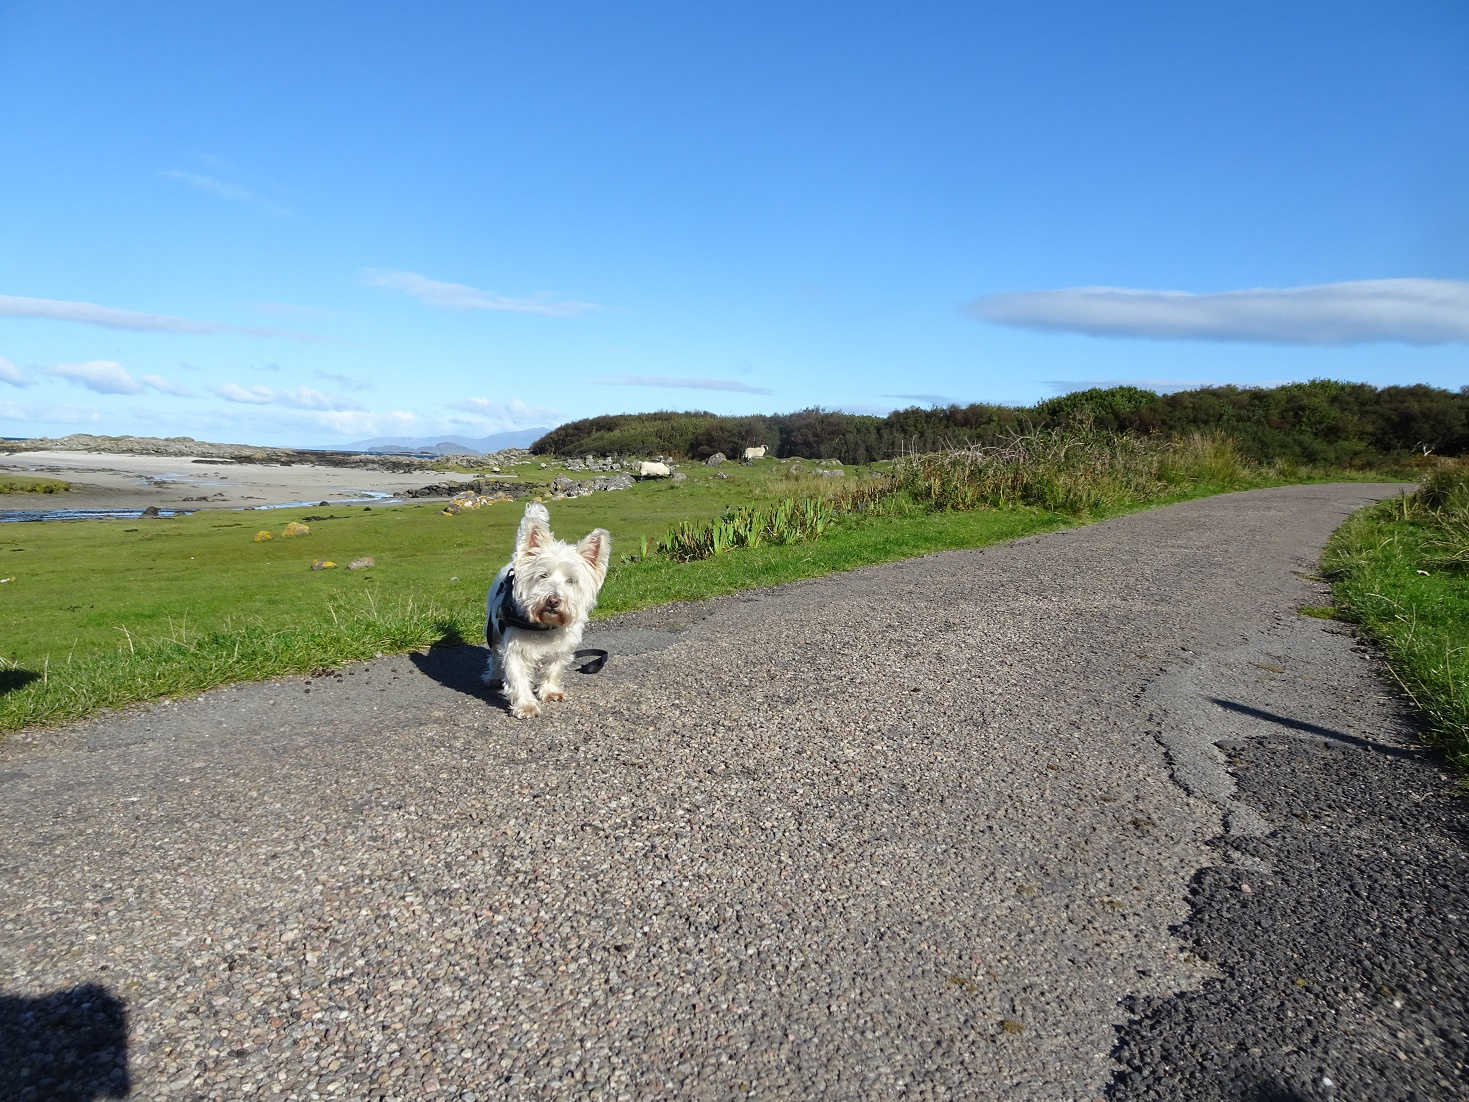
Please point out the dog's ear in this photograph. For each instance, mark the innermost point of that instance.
(596, 548)
(535, 529)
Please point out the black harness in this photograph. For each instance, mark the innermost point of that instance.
(507, 614)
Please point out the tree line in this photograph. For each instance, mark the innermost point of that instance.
(1321, 421)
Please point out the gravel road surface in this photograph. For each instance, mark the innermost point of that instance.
(951, 827)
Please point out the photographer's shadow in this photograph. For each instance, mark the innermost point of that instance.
(68, 1046)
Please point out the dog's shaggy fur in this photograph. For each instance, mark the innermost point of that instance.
(537, 609)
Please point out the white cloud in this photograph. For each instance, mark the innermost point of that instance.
(13, 375)
(103, 376)
(1414, 311)
(300, 397)
(89, 313)
(255, 395)
(458, 296)
(682, 383)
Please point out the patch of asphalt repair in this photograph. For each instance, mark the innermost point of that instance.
(931, 829)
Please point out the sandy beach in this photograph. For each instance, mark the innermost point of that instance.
(109, 482)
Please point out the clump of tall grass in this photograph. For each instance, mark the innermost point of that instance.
(1076, 473)
(789, 520)
(792, 519)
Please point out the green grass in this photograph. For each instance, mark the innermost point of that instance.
(1400, 569)
(25, 484)
(102, 613)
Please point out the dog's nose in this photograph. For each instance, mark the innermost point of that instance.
(553, 602)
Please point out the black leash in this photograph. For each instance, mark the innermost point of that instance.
(598, 659)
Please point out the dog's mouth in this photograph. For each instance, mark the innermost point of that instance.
(552, 617)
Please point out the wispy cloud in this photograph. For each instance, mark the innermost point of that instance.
(348, 381)
(13, 375)
(683, 384)
(110, 377)
(221, 188)
(210, 184)
(300, 397)
(51, 414)
(165, 386)
(927, 399)
(109, 317)
(504, 416)
(458, 296)
(1414, 311)
(361, 422)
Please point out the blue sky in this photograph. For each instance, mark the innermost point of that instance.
(308, 224)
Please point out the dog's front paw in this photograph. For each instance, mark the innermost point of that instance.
(548, 695)
(528, 710)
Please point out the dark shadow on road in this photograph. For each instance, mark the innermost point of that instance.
(68, 1046)
(1315, 729)
(457, 668)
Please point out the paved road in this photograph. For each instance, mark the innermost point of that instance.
(925, 829)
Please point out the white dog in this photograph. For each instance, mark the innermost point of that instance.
(537, 609)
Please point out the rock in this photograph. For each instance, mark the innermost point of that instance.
(151, 511)
(679, 476)
(561, 484)
(362, 563)
(295, 528)
(826, 473)
(720, 474)
(323, 564)
(262, 536)
(716, 459)
(452, 509)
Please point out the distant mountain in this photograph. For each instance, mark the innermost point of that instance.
(393, 445)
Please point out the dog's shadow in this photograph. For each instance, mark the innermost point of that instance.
(459, 668)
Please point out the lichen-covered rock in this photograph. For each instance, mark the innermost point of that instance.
(296, 528)
(323, 564)
(362, 563)
(262, 536)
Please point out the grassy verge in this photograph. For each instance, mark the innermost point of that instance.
(1401, 570)
(102, 613)
(25, 484)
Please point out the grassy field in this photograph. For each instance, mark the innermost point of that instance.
(102, 613)
(1401, 571)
